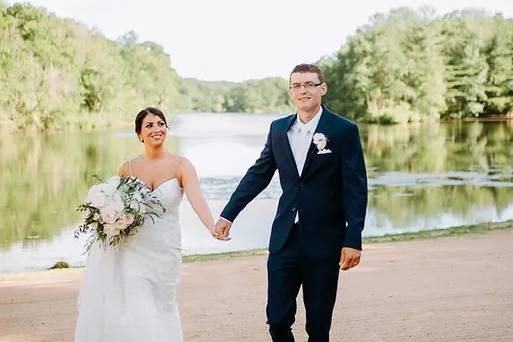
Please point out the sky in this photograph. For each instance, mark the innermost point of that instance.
(240, 40)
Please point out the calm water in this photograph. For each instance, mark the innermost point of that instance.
(420, 176)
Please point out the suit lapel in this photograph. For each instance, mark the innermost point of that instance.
(288, 149)
(322, 127)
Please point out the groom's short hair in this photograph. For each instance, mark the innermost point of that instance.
(308, 68)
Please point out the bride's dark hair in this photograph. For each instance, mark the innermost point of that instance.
(142, 114)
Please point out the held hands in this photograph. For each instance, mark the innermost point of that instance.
(350, 258)
(222, 230)
(212, 230)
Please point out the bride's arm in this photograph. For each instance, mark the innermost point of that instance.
(190, 183)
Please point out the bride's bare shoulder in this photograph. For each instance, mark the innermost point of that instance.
(181, 161)
(184, 167)
(125, 168)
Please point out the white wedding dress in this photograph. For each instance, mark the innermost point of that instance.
(129, 291)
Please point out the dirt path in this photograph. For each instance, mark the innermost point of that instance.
(448, 289)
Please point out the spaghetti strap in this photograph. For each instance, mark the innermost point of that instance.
(130, 169)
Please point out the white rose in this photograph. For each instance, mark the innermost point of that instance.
(117, 202)
(109, 215)
(109, 188)
(320, 141)
(114, 180)
(317, 137)
(95, 197)
(321, 144)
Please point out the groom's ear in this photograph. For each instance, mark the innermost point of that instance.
(324, 89)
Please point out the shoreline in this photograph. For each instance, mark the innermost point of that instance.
(73, 125)
(480, 228)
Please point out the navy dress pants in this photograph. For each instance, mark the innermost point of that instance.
(287, 271)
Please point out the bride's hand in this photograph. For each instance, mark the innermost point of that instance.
(212, 231)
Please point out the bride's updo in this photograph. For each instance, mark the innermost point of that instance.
(143, 113)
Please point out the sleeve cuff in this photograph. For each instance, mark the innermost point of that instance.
(222, 218)
(353, 239)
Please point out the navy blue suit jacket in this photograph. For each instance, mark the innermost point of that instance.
(330, 194)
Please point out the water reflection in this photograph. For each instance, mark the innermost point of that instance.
(420, 177)
(435, 148)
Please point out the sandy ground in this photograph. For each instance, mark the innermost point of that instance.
(448, 289)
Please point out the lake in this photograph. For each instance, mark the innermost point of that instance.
(421, 176)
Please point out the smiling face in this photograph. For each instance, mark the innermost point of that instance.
(306, 91)
(153, 130)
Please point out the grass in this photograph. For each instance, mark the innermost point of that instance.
(438, 233)
(224, 256)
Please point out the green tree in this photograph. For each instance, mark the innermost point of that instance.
(410, 66)
(499, 82)
(259, 96)
(465, 70)
(57, 73)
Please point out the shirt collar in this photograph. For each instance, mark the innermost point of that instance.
(310, 125)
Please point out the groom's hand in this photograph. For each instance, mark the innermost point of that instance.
(350, 258)
(222, 230)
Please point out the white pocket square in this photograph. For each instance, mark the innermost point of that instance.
(325, 151)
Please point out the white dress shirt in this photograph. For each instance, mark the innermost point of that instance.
(300, 138)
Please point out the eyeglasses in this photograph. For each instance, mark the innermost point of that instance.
(307, 86)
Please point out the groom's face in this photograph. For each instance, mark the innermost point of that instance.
(306, 91)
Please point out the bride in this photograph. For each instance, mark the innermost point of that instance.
(129, 292)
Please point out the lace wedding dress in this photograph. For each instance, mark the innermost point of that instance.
(129, 291)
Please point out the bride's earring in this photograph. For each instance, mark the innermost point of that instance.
(141, 139)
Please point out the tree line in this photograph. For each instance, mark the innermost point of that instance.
(414, 66)
(254, 96)
(404, 66)
(56, 73)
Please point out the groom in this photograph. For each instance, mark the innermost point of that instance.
(321, 213)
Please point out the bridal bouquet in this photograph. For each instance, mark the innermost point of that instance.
(116, 209)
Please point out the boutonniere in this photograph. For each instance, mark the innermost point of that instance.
(321, 141)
